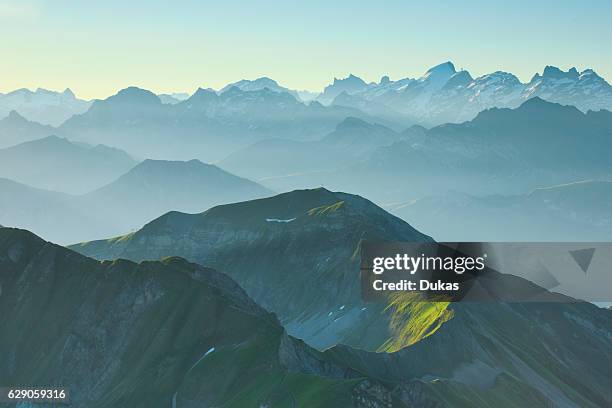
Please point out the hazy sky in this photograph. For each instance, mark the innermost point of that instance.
(168, 46)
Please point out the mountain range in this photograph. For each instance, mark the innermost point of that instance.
(247, 111)
(43, 106)
(445, 95)
(206, 126)
(297, 255)
(148, 190)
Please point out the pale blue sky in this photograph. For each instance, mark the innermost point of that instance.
(96, 48)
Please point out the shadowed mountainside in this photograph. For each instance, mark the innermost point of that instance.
(154, 334)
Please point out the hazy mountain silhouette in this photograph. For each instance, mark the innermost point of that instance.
(173, 98)
(146, 191)
(15, 129)
(56, 216)
(154, 187)
(54, 163)
(273, 159)
(571, 213)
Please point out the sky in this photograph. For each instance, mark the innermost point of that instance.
(98, 47)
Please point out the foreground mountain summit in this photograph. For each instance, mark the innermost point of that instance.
(297, 254)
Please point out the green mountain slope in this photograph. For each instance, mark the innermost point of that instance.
(155, 334)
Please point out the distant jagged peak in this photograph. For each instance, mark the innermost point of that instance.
(445, 69)
(551, 71)
(68, 93)
(385, 80)
(461, 78)
(351, 79)
(351, 84)
(590, 75)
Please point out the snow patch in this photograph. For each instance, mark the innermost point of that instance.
(279, 220)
